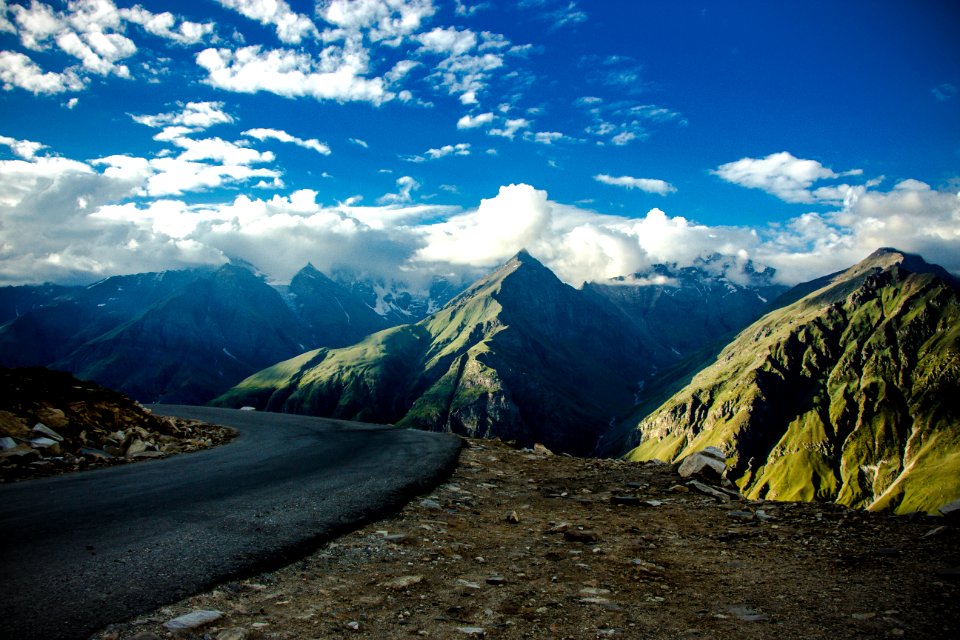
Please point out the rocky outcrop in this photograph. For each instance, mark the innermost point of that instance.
(51, 422)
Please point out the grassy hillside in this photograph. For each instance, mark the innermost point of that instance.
(850, 393)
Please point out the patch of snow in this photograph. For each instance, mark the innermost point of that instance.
(230, 355)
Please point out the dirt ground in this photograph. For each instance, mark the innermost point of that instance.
(523, 544)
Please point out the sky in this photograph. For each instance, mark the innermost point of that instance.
(407, 138)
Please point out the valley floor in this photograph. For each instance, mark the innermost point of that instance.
(521, 544)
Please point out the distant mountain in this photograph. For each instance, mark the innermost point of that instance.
(178, 336)
(519, 355)
(333, 315)
(688, 308)
(850, 392)
(396, 301)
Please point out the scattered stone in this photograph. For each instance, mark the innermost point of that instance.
(496, 580)
(236, 633)
(477, 632)
(353, 625)
(934, 532)
(951, 510)
(632, 501)
(427, 503)
(651, 503)
(466, 584)
(541, 450)
(747, 613)
(746, 516)
(560, 527)
(149, 635)
(192, 620)
(581, 535)
(679, 488)
(513, 517)
(402, 582)
(7, 443)
(707, 490)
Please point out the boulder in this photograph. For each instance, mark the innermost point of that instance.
(13, 426)
(703, 465)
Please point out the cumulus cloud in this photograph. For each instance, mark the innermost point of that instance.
(338, 74)
(164, 25)
(472, 122)
(19, 71)
(378, 19)
(25, 149)
(650, 185)
(499, 228)
(291, 27)
(510, 128)
(787, 177)
(192, 116)
(283, 136)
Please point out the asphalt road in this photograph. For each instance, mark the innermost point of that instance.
(83, 550)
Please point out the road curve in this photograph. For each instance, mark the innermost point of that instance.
(82, 550)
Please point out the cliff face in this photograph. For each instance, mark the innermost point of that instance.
(850, 393)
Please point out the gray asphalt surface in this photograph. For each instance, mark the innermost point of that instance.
(83, 550)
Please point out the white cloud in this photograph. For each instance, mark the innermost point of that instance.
(459, 149)
(192, 116)
(650, 185)
(219, 150)
(472, 122)
(17, 70)
(510, 128)
(164, 25)
(786, 176)
(405, 186)
(283, 136)
(548, 137)
(336, 75)
(448, 41)
(378, 19)
(360, 143)
(500, 227)
(25, 149)
(291, 27)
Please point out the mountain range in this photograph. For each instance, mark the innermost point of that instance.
(187, 336)
(843, 388)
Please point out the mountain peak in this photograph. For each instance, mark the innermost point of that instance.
(888, 257)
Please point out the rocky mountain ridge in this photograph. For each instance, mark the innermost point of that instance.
(518, 355)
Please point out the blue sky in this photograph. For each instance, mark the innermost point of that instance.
(404, 138)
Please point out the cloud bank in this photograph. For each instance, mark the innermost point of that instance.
(76, 221)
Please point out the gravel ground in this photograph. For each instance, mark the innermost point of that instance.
(526, 544)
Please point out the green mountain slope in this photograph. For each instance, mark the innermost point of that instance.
(851, 393)
(518, 355)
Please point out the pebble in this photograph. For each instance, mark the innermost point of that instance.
(237, 633)
(478, 632)
(496, 580)
(402, 582)
(513, 517)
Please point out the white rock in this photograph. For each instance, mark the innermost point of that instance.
(44, 431)
(192, 620)
(702, 465)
